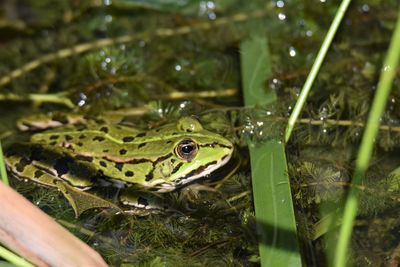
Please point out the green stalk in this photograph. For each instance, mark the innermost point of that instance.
(315, 68)
(367, 144)
(13, 258)
(3, 172)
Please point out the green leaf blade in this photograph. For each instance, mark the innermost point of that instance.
(276, 225)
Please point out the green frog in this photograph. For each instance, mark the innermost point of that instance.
(75, 158)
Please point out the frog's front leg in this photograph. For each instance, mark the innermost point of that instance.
(48, 169)
(141, 203)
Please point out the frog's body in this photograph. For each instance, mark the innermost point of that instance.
(161, 159)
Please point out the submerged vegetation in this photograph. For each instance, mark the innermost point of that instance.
(151, 62)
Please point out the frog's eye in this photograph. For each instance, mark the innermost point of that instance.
(186, 149)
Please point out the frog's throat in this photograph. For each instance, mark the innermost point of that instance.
(168, 187)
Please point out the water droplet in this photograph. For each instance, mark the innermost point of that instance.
(212, 16)
(280, 3)
(275, 84)
(81, 103)
(108, 18)
(365, 8)
(178, 67)
(292, 51)
(82, 100)
(207, 8)
(386, 68)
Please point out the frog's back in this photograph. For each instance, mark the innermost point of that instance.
(101, 141)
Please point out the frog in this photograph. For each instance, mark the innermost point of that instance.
(76, 158)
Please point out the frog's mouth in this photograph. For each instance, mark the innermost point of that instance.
(200, 172)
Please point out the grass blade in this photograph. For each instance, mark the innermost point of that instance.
(3, 172)
(367, 145)
(13, 258)
(271, 190)
(315, 68)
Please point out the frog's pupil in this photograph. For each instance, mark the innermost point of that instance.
(187, 149)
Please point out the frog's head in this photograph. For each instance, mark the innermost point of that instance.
(196, 153)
